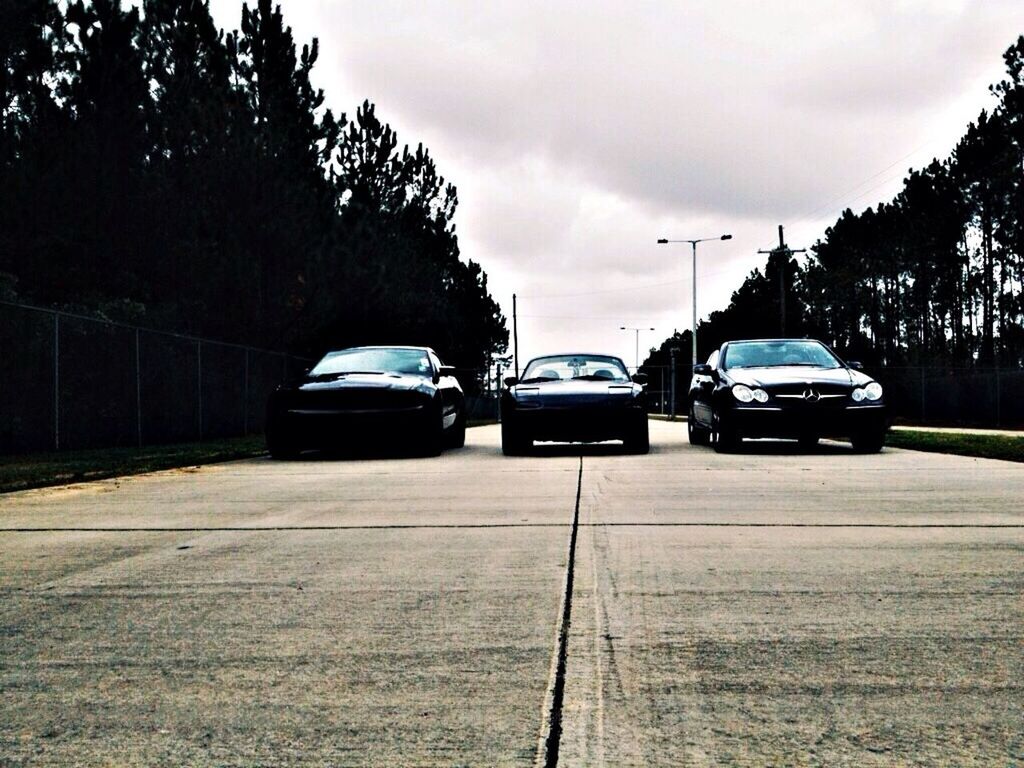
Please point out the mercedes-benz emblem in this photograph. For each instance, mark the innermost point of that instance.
(811, 396)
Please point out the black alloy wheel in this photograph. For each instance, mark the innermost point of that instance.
(432, 438)
(638, 440)
(697, 434)
(513, 441)
(868, 442)
(281, 442)
(727, 440)
(457, 438)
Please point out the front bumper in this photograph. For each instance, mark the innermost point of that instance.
(324, 428)
(798, 420)
(584, 424)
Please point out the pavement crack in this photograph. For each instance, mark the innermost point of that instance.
(551, 726)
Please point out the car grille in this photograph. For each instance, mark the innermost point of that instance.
(356, 400)
(811, 395)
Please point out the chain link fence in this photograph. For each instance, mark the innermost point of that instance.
(71, 382)
(938, 396)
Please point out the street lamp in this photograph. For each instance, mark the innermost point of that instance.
(629, 328)
(693, 244)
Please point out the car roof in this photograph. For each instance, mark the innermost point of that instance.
(575, 354)
(791, 338)
(382, 346)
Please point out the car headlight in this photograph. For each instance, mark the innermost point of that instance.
(745, 394)
(857, 395)
(873, 391)
(742, 393)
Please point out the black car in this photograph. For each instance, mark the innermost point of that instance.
(365, 394)
(788, 388)
(574, 398)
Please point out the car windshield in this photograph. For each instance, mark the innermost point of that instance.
(562, 367)
(374, 360)
(774, 354)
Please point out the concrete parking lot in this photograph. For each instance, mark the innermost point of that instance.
(765, 608)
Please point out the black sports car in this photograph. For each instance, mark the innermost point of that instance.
(574, 398)
(361, 395)
(789, 388)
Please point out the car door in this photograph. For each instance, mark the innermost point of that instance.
(701, 389)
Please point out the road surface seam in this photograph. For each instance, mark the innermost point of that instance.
(469, 526)
(551, 721)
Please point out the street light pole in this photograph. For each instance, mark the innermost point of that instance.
(637, 350)
(693, 245)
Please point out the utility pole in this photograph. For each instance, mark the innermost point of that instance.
(672, 383)
(515, 335)
(785, 254)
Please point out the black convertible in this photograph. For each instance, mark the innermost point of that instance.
(789, 388)
(574, 398)
(368, 394)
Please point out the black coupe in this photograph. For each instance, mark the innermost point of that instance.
(788, 388)
(574, 398)
(366, 394)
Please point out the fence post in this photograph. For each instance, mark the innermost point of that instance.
(199, 384)
(662, 393)
(922, 394)
(999, 409)
(497, 390)
(138, 387)
(245, 397)
(56, 382)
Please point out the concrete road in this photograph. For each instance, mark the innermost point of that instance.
(765, 608)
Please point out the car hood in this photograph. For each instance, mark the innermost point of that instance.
(574, 389)
(767, 377)
(367, 381)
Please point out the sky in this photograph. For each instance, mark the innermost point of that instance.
(578, 133)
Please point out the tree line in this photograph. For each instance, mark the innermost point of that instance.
(157, 170)
(934, 277)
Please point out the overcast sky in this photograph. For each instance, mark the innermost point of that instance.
(579, 133)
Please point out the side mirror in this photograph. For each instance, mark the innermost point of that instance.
(511, 381)
(856, 365)
(640, 378)
(702, 369)
(447, 370)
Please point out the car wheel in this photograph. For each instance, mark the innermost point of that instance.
(513, 441)
(697, 434)
(457, 438)
(432, 438)
(639, 438)
(868, 442)
(726, 439)
(281, 442)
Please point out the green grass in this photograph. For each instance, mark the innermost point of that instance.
(34, 471)
(1002, 447)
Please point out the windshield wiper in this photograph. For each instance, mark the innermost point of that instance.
(592, 377)
(787, 365)
(536, 379)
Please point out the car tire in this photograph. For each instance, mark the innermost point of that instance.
(513, 441)
(432, 439)
(638, 440)
(281, 442)
(457, 438)
(698, 435)
(727, 440)
(868, 442)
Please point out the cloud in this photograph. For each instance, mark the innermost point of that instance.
(578, 133)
